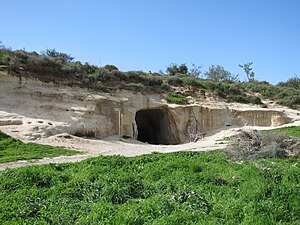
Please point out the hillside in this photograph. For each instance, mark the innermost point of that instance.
(53, 66)
(43, 95)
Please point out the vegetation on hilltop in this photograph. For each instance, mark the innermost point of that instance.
(61, 67)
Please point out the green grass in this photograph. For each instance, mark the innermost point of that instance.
(13, 150)
(174, 188)
(293, 131)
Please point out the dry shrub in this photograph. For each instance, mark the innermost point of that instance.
(195, 133)
(250, 144)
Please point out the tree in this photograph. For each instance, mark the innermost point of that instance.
(195, 71)
(218, 73)
(183, 69)
(63, 57)
(175, 69)
(248, 70)
(293, 82)
(110, 67)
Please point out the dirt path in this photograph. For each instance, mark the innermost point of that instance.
(126, 147)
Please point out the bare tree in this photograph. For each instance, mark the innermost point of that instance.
(196, 71)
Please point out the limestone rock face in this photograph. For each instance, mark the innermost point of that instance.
(206, 119)
(35, 109)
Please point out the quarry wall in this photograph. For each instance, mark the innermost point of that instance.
(36, 109)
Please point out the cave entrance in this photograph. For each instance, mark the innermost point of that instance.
(156, 126)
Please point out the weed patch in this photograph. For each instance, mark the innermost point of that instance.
(13, 150)
(175, 188)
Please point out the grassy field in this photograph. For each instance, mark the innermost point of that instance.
(293, 131)
(175, 188)
(13, 150)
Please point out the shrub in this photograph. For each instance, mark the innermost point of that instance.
(210, 85)
(6, 55)
(22, 56)
(136, 76)
(58, 56)
(250, 144)
(238, 98)
(135, 86)
(285, 94)
(175, 81)
(192, 82)
(165, 87)
(218, 73)
(110, 67)
(175, 69)
(254, 100)
(293, 82)
(155, 80)
(176, 98)
(235, 89)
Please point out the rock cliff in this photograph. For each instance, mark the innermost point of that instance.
(34, 109)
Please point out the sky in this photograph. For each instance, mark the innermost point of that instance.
(149, 35)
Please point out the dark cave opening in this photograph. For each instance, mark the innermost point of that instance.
(155, 126)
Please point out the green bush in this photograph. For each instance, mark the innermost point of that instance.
(284, 94)
(144, 78)
(245, 99)
(191, 81)
(235, 89)
(110, 67)
(135, 86)
(155, 81)
(176, 98)
(175, 81)
(165, 87)
(5, 57)
(254, 100)
(238, 98)
(293, 82)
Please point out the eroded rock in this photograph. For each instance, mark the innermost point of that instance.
(36, 109)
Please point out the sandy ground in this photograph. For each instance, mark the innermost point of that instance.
(126, 147)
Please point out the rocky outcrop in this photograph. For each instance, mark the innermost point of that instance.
(206, 119)
(36, 109)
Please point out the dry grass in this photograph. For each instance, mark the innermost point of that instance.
(250, 145)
